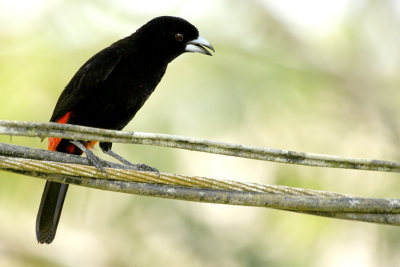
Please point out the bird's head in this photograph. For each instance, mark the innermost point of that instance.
(171, 36)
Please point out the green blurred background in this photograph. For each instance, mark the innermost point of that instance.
(315, 76)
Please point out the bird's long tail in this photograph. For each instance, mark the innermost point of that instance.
(49, 211)
(53, 194)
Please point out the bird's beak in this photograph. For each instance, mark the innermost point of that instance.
(197, 45)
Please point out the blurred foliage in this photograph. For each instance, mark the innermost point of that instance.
(271, 83)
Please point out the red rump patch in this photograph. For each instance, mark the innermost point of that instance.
(91, 144)
(70, 148)
(54, 141)
(65, 118)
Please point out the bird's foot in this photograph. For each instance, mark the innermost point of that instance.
(144, 167)
(93, 159)
(139, 167)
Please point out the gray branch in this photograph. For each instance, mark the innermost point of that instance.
(66, 168)
(43, 130)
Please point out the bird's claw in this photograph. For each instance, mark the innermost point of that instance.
(143, 167)
(138, 167)
(93, 159)
(97, 162)
(146, 168)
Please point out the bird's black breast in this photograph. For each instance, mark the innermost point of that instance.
(116, 99)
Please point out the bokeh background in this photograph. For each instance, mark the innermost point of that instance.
(315, 76)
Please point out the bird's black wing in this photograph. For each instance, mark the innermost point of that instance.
(85, 82)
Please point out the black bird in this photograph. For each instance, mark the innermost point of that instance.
(108, 90)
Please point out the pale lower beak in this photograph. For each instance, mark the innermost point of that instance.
(197, 45)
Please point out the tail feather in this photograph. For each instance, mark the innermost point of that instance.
(49, 211)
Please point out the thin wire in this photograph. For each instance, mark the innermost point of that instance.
(386, 211)
(72, 169)
(75, 132)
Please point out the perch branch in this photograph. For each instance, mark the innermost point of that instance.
(42, 130)
(66, 168)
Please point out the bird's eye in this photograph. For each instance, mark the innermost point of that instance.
(179, 37)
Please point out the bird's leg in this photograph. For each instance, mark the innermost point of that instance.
(106, 148)
(96, 161)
